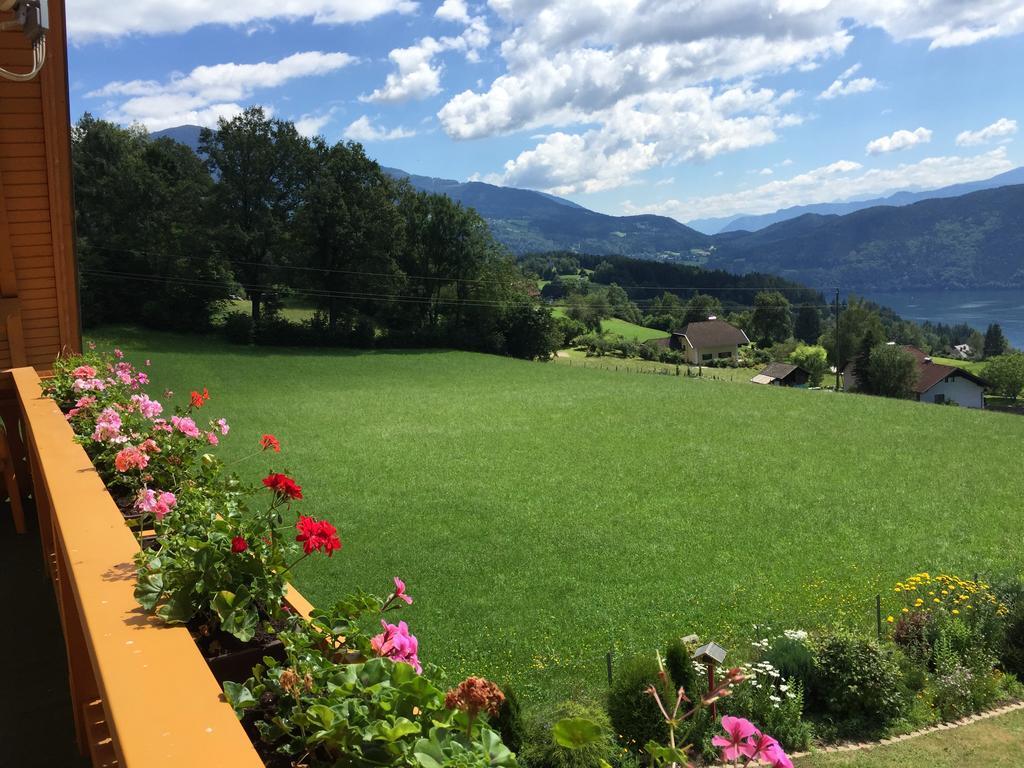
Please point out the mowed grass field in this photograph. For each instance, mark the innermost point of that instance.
(542, 515)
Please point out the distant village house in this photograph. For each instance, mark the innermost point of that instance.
(783, 375)
(937, 383)
(708, 340)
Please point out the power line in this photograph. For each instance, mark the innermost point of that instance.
(363, 295)
(402, 276)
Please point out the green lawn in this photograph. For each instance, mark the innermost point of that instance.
(543, 514)
(623, 328)
(994, 743)
(972, 366)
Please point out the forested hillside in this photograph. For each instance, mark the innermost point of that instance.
(973, 241)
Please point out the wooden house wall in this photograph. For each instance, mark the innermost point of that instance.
(39, 315)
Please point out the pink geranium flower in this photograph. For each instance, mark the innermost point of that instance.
(211, 438)
(130, 457)
(185, 425)
(397, 644)
(147, 407)
(762, 748)
(108, 425)
(159, 504)
(118, 353)
(223, 425)
(400, 591)
(84, 372)
(737, 729)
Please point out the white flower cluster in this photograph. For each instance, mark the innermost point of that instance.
(762, 675)
(796, 634)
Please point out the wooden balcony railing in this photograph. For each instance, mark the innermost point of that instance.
(142, 693)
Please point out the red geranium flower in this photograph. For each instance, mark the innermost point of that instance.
(283, 486)
(317, 535)
(269, 441)
(199, 398)
(239, 544)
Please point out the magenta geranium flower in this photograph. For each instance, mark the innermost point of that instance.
(761, 747)
(737, 730)
(108, 425)
(397, 644)
(400, 591)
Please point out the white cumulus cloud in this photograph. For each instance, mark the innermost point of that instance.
(453, 10)
(363, 129)
(846, 84)
(902, 139)
(208, 92)
(90, 20)
(842, 180)
(1002, 129)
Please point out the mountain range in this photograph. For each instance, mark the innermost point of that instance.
(754, 222)
(963, 236)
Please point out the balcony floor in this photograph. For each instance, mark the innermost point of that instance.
(36, 729)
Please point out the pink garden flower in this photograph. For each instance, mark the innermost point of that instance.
(397, 644)
(222, 424)
(738, 729)
(84, 372)
(118, 353)
(159, 504)
(400, 591)
(108, 425)
(765, 749)
(185, 425)
(211, 438)
(147, 407)
(89, 385)
(130, 457)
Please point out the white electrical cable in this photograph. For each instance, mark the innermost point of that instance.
(38, 59)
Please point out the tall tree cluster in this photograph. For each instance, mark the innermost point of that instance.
(167, 236)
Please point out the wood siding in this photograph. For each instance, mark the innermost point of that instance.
(39, 315)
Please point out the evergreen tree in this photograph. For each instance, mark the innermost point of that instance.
(808, 324)
(772, 320)
(700, 307)
(995, 341)
(862, 362)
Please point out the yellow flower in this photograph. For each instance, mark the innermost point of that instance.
(956, 612)
(918, 603)
(906, 610)
(890, 619)
(935, 600)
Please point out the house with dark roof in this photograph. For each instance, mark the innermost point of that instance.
(936, 383)
(708, 340)
(783, 375)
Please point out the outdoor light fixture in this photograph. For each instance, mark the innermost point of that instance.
(33, 18)
(710, 654)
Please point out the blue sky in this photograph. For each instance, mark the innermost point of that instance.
(685, 108)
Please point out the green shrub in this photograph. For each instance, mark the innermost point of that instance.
(509, 721)
(1011, 650)
(540, 750)
(856, 684)
(910, 633)
(791, 657)
(634, 713)
(679, 665)
(238, 328)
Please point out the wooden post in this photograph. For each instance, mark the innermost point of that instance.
(711, 687)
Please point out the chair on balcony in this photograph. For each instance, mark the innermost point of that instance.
(11, 482)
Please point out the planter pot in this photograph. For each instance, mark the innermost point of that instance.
(237, 665)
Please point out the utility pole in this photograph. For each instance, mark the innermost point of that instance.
(838, 343)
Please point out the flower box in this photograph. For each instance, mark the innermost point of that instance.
(141, 691)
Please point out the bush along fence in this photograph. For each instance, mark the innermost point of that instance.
(346, 685)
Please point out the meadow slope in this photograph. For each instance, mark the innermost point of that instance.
(543, 514)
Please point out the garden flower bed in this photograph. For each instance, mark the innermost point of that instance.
(172, 575)
(198, 564)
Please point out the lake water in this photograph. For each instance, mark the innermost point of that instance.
(976, 308)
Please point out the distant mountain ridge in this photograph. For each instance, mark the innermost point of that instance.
(972, 241)
(752, 223)
(183, 134)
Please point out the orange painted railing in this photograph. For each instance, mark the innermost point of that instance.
(142, 693)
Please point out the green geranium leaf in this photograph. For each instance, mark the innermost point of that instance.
(401, 728)
(321, 716)
(576, 732)
(238, 695)
(149, 587)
